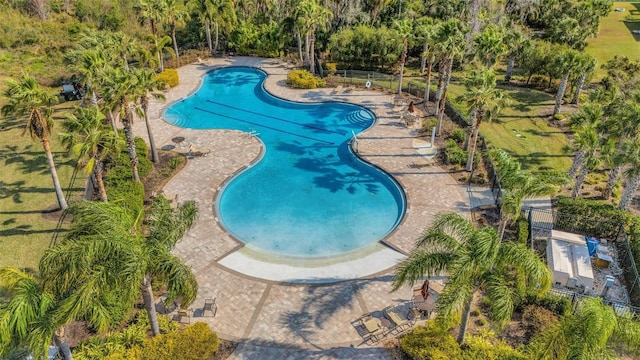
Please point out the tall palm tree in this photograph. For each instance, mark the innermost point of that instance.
(566, 62)
(475, 260)
(592, 332)
(313, 16)
(484, 100)
(517, 185)
(632, 174)
(87, 137)
(176, 15)
(121, 95)
(426, 29)
(586, 64)
(219, 12)
(28, 101)
(489, 45)
(451, 46)
(516, 41)
(152, 11)
(148, 85)
(590, 115)
(587, 141)
(405, 30)
(125, 255)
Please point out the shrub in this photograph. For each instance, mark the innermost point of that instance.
(453, 154)
(169, 76)
(487, 348)
(430, 342)
(558, 117)
(459, 135)
(195, 342)
(302, 79)
(428, 124)
(330, 67)
(558, 305)
(522, 230)
(595, 218)
(536, 319)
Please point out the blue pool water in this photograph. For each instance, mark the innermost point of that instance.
(309, 195)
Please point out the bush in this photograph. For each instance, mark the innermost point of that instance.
(536, 319)
(453, 154)
(558, 117)
(590, 217)
(169, 77)
(487, 348)
(522, 230)
(558, 305)
(331, 67)
(459, 135)
(302, 79)
(430, 342)
(195, 342)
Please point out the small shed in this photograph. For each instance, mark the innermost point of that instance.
(569, 260)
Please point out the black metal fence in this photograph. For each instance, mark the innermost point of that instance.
(620, 308)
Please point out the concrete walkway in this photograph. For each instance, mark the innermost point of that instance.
(277, 320)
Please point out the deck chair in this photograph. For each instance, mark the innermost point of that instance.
(210, 308)
(184, 316)
(194, 151)
(374, 331)
(401, 322)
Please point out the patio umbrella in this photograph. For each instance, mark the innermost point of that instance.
(424, 289)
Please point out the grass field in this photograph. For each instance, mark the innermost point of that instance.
(615, 37)
(27, 195)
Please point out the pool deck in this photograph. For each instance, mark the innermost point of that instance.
(269, 318)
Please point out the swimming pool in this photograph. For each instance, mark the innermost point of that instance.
(308, 195)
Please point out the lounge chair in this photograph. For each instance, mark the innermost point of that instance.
(401, 322)
(210, 308)
(373, 329)
(194, 151)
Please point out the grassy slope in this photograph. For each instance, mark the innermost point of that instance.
(26, 194)
(615, 37)
(539, 146)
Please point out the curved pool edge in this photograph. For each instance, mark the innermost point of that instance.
(360, 267)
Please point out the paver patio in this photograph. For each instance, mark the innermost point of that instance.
(274, 320)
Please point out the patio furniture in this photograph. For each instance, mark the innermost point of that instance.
(210, 308)
(194, 151)
(184, 316)
(374, 331)
(401, 322)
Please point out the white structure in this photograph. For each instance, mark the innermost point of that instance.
(568, 258)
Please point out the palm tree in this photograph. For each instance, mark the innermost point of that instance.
(489, 45)
(475, 260)
(26, 100)
(632, 174)
(592, 332)
(176, 15)
(566, 63)
(220, 12)
(36, 312)
(148, 84)
(590, 115)
(517, 185)
(152, 11)
(586, 65)
(121, 95)
(312, 16)
(451, 46)
(404, 29)
(586, 140)
(484, 101)
(516, 41)
(427, 29)
(109, 241)
(87, 137)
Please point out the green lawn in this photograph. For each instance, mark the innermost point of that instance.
(26, 194)
(615, 37)
(522, 131)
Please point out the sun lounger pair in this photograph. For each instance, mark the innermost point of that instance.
(372, 327)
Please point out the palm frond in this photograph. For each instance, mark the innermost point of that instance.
(419, 264)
